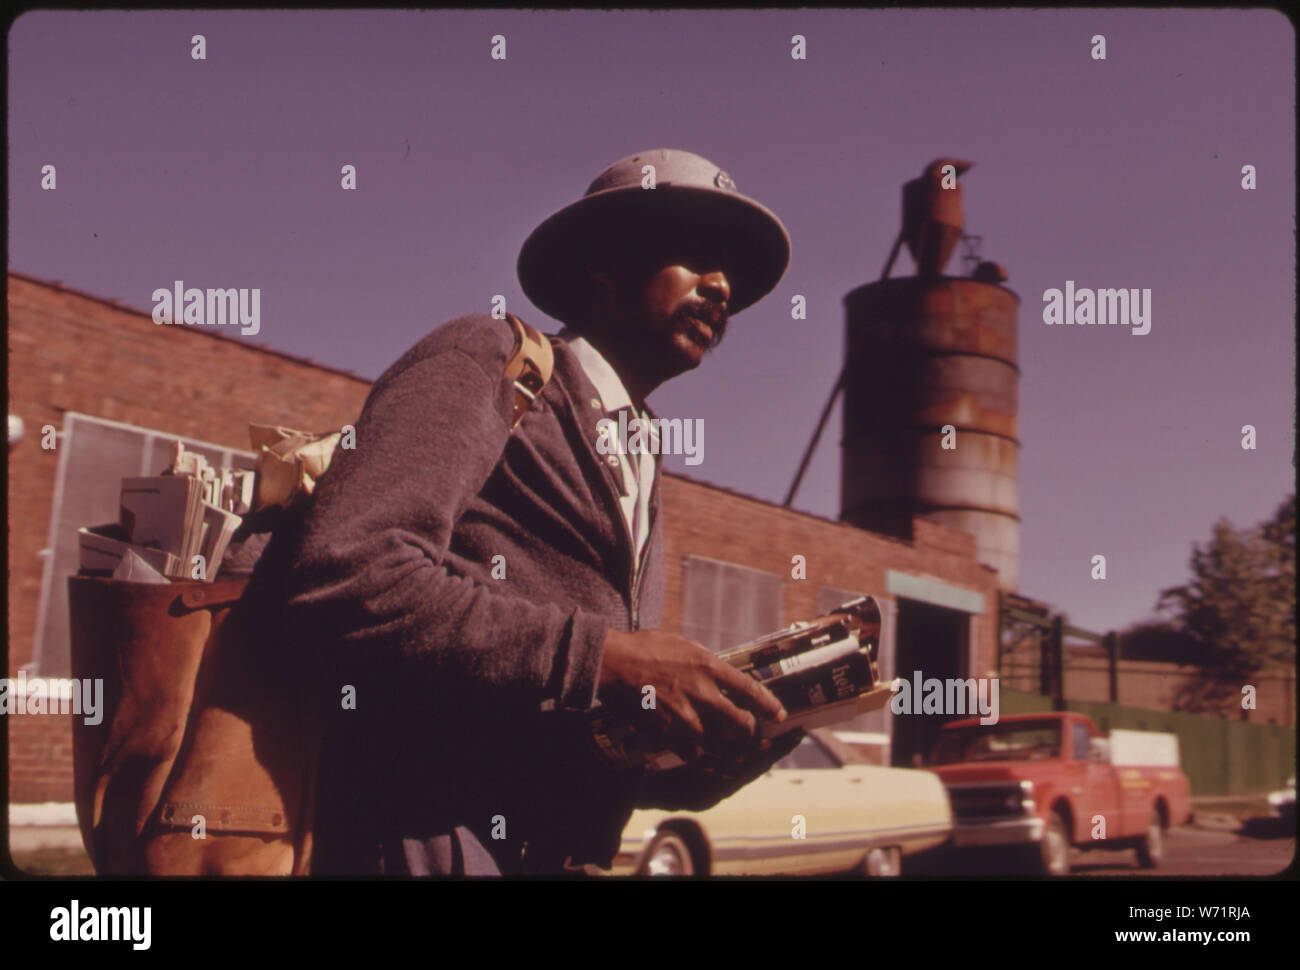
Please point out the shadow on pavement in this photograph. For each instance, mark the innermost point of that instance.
(1268, 827)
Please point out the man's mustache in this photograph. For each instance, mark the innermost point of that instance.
(709, 313)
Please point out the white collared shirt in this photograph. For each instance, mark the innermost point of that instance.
(639, 469)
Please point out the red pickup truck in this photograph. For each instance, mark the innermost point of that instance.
(1049, 781)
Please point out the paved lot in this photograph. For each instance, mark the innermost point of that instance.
(1216, 845)
(1255, 850)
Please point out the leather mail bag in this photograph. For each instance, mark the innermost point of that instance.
(201, 763)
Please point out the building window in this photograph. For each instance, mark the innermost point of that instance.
(94, 456)
(725, 605)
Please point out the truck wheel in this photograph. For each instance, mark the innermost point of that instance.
(1054, 849)
(669, 855)
(1152, 847)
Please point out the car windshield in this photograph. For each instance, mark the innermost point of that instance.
(998, 742)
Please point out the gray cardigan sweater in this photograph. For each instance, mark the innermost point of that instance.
(468, 689)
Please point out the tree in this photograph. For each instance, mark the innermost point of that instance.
(1238, 611)
(1279, 534)
(1157, 640)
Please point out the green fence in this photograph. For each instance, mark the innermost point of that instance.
(1220, 756)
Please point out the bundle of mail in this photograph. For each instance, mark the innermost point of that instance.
(822, 670)
(167, 522)
(178, 525)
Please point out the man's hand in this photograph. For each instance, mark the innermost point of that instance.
(702, 704)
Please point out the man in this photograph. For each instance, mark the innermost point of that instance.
(471, 593)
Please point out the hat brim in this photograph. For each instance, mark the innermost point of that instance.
(551, 261)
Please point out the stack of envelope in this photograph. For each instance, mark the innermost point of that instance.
(822, 670)
(171, 526)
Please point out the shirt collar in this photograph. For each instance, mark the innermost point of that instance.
(613, 395)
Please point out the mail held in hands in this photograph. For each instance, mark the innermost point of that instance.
(823, 671)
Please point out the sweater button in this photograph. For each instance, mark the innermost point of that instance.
(595, 403)
(612, 459)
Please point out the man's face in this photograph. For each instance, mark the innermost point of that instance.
(671, 298)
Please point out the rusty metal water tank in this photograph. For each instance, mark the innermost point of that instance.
(922, 354)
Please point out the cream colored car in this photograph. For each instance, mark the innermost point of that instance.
(815, 812)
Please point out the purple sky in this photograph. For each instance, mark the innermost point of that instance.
(1122, 173)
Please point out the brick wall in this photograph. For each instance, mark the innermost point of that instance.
(1156, 685)
(40, 758)
(703, 520)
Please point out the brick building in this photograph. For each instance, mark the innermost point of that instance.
(111, 392)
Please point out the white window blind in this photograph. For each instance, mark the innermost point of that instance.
(725, 605)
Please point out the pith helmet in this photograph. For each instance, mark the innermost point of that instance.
(692, 199)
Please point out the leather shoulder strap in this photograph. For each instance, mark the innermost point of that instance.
(530, 366)
(289, 462)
